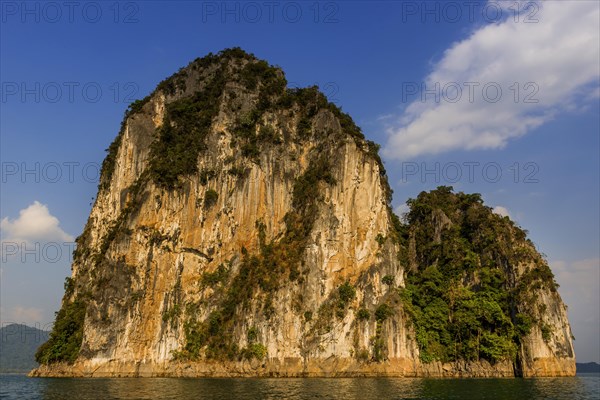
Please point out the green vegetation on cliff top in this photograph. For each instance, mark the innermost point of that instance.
(188, 119)
(462, 293)
(458, 294)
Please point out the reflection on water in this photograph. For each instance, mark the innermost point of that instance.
(584, 386)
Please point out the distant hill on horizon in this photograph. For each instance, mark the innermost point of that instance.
(588, 367)
(18, 344)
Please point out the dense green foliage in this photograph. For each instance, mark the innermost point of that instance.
(66, 336)
(254, 350)
(363, 314)
(270, 84)
(346, 293)
(182, 136)
(219, 276)
(388, 280)
(459, 298)
(383, 312)
(69, 286)
(108, 165)
(210, 199)
(188, 120)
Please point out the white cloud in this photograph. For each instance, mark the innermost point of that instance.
(26, 315)
(502, 211)
(34, 224)
(559, 55)
(401, 209)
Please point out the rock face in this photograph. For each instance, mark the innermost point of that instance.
(244, 229)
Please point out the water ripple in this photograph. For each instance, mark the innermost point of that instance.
(581, 387)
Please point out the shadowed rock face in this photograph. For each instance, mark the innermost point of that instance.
(244, 229)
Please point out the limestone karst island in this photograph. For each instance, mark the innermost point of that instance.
(242, 228)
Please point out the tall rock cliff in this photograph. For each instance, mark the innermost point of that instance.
(244, 229)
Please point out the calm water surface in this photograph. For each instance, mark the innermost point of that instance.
(583, 386)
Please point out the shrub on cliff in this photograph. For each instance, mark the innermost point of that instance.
(66, 336)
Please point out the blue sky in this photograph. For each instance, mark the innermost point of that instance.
(67, 75)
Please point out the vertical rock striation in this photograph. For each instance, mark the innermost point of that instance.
(244, 229)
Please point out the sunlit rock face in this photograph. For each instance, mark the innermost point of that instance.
(244, 229)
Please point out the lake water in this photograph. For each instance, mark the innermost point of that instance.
(583, 386)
